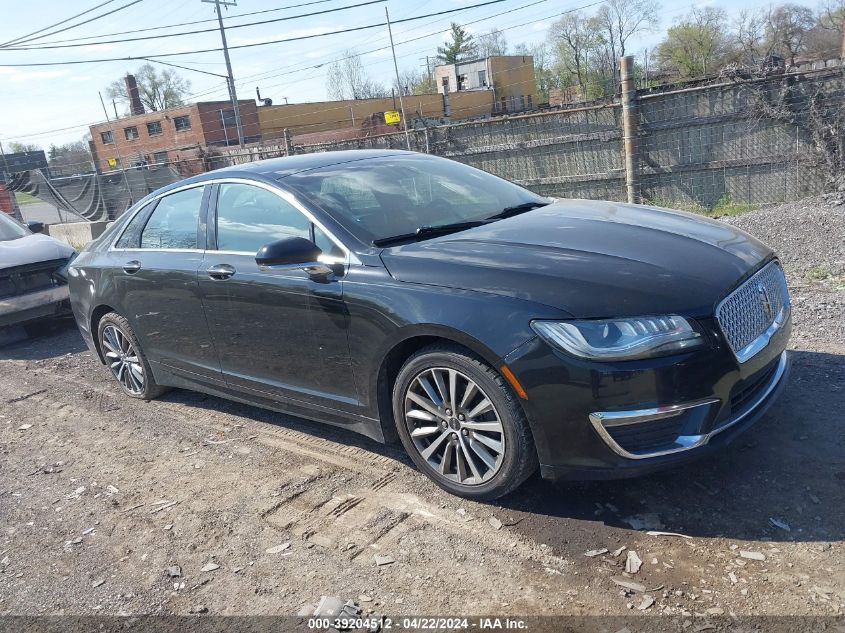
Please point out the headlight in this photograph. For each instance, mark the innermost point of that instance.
(620, 339)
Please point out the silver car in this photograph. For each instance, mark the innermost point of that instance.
(33, 273)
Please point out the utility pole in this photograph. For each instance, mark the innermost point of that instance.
(396, 69)
(233, 95)
(117, 150)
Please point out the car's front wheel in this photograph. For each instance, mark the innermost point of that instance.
(124, 358)
(461, 423)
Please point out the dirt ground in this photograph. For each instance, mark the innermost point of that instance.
(195, 504)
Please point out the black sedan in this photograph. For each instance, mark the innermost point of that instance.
(491, 330)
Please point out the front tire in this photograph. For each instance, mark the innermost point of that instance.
(124, 358)
(461, 424)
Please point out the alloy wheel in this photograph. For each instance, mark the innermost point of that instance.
(123, 359)
(454, 426)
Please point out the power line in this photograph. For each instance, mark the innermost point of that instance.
(280, 41)
(52, 26)
(198, 31)
(173, 26)
(73, 26)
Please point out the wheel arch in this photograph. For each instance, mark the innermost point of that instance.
(96, 316)
(406, 346)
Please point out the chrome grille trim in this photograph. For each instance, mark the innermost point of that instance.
(751, 314)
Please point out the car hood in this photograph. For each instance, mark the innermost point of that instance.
(590, 259)
(31, 249)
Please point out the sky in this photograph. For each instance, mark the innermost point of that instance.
(55, 104)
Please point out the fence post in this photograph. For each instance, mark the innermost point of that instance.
(629, 129)
(286, 136)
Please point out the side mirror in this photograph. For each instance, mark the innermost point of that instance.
(292, 253)
(35, 227)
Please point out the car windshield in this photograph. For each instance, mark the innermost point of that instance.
(395, 196)
(10, 229)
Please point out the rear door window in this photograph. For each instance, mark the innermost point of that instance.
(174, 223)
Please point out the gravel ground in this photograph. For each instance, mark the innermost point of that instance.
(192, 504)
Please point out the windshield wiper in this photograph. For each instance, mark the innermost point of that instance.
(428, 231)
(508, 212)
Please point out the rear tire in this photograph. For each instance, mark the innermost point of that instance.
(462, 424)
(125, 359)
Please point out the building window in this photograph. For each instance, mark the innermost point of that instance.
(107, 137)
(522, 102)
(227, 118)
(182, 123)
(160, 158)
(131, 133)
(530, 102)
(482, 78)
(504, 104)
(154, 128)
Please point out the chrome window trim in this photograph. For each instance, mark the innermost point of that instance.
(350, 257)
(599, 419)
(759, 343)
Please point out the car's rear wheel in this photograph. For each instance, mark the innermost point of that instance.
(124, 358)
(461, 423)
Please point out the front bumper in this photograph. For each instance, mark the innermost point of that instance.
(34, 305)
(594, 420)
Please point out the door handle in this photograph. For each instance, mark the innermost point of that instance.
(221, 271)
(132, 267)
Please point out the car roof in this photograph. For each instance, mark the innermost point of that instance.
(279, 168)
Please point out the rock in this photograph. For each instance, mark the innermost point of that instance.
(633, 562)
(174, 571)
(24, 427)
(616, 552)
(780, 524)
(752, 555)
(210, 567)
(658, 533)
(97, 583)
(495, 523)
(733, 578)
(277, 548)
(595, 552)
(646, 521)
(629, 584)
(715, 611)
(199, 608)
(646, 603)
(365, 598)
(383, 559)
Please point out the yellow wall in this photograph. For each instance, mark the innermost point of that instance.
(306, 118)
(514, 75)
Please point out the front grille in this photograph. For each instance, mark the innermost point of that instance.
(647, 437)
(21, 280)
(746, 313)
(746, 391)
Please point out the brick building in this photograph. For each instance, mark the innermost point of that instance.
(509, 77)
(168, 136)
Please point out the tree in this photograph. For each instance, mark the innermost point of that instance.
(824, 41)
(17, 147)
(696, 45)
(415, 82)
(787, 27)
(460, 48)
(574, 39)
(492, 43)
(621, 19)
(70, 158)
(750, 38)
(347, 79)
(158, 90)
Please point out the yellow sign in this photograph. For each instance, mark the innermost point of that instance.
(112, 162)
(392, 117)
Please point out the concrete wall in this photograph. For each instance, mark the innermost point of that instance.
(77, 234)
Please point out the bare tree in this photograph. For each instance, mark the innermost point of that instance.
(787, 27)
(491, 43)
(347, 79)
(158, 90)
(621, 19)
(750, 36)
